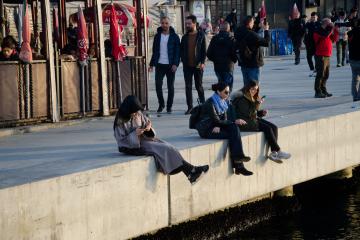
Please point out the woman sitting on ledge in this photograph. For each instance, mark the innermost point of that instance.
(246, 104)
(135, 136)
(215, 124)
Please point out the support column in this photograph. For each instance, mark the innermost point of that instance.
(101, 58)
(285, 192)
(50, 60)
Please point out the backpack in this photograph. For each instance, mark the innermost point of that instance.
(195, 116)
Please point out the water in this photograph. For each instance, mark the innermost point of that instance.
(325, 214)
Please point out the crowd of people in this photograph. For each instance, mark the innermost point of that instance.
(226, 113)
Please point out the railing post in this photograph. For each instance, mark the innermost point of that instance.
(101, 58)
(51, 62)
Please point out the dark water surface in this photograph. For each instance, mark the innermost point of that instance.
(327, 213)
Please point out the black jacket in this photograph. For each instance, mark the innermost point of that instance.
(296, 29)
(13, 57)
(221, 51)
(173, 48)
(209, 118)
(354, 44)
(254, 42)
(310, 28)
(200, 51)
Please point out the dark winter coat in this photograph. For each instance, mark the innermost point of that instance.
(246, 109)
(209, 118)
(254, 42)
(13, 57)
(222, 52)
(296, 29)
(354, 44)
(200, 51)
(173, 48)
(310, 28)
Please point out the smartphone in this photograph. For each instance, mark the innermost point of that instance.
(263, 97)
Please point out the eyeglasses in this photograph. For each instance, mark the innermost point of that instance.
(227, 92)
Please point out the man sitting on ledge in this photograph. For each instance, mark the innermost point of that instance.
(8, 48)
(135, 136)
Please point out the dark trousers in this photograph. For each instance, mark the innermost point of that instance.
(189, 72)
(271, 133)
(310, 53)
(232, 133)
(322, 65)
(160, 71)
(226, 77)
(341, 51)
(297, 44)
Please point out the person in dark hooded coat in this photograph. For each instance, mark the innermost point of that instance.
(135, 136)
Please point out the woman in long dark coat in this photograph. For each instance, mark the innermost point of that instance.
(135, 136)
(246, 105)
(214, 123)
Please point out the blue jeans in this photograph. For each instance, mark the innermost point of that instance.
(250, 74)
(226, 77)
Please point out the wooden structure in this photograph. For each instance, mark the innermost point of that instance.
(53, 91)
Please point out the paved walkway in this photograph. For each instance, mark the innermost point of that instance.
(54, 152)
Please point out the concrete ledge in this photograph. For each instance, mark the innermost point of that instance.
(130, 198)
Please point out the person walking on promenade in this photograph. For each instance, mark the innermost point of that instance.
(232, 20)
(250, 53)
(193, 56)
(221, 51)
(246, 105)
(135, 136)
(296, 33)
(165, 59)
(310, 27)
(341, 43)
(354, 57)
(323, 37)
(214, 123)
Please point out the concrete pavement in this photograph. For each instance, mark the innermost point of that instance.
(55, 152)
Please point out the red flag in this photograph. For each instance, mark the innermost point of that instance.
(26, 52)
(82, 36)
(56, 26)
(118, 50)
(295, 12)
(262, 13)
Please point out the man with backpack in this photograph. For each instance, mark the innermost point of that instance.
(310, 27)
(250, 53)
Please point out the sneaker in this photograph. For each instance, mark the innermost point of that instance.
(168, 110)
(243, 171)
(283, 155)
(328, 94)
(188, 111)
(197, 172)
(274, 156)
(338, 65)
(160, 109)
(320, 95)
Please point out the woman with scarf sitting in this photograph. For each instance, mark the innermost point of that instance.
(214, 123)
(135, 136)
(246, 104)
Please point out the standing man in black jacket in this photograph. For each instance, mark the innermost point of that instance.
(222, 52)
(193, 55)
(310, 27)
(296, 33)
(354, 56)
(249, 43)
(166, 59)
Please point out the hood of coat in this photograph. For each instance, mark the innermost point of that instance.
(171, 30)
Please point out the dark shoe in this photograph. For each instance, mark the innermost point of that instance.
(338, 65)
(297, 62)
(160, 109)
(243, 171)
(197, 173)
(168, 110)
(320, 95)
(328, 94)
(242, 159)
(188, 111)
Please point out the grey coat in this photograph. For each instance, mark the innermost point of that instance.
(167, 157)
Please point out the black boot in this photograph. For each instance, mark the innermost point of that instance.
(242, 170)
